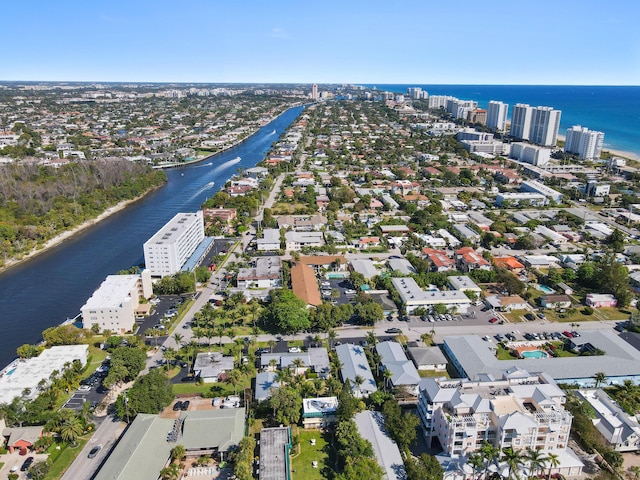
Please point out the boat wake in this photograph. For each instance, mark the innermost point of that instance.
(226, 165)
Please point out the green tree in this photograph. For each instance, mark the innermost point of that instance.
(39, 470)
(553, 460)
(178, 452)
(535, 459)
(71, 429)
(149, 394)
(350, 443)
(401, 427)
(359, 468)
(513, 459)
(369, 313)
(425, 467)
(286, 402)
(28, 351)
(286, 312)
(599, 377)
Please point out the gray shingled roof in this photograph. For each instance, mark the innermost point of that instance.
(476, 357)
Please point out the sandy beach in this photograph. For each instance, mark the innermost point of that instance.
(57, 240)
(613, 151)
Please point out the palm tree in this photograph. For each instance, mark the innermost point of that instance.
(386, 377)
(178, 339)
(599, 377)
(490, 455)
(358, 380)
(298, 363)
(513, 459)
(332, 335)
(476, 460)
(71, 429)
(371, 339)
(272, 344)
(536, 460)
(234, 378)
(178, 452)
(553, 460)
(219, 333)
(169, 355)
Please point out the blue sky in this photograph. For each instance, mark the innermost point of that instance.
(565, 42)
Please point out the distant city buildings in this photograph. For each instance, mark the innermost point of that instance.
(167, 251)
(539, 125)
(497, 115)
(314, 92)
(416, 93)
(587, 144)
(532, 154)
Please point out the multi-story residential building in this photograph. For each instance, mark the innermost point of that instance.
(319, 412)
(264, 274)
(477, 115)
(468, 259)
(113, 305)
(523, 152)
(413, 297)
(270, 240)
(521, 121)
(497, 115)
(545, 122)
(515, 198)
(537, 187)
(314, 92)
(519, 410)
(167, 251)
(587, 144)
(439, 101)
(298, 240)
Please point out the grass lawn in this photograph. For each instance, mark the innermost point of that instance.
(609, 313)
(432, 373)
(301, 467)
(63, 458)
(516, 316)
(282, 208)
(569, 316)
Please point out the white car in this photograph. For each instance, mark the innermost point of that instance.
(325, 284)
(294, 350)
(350, 292)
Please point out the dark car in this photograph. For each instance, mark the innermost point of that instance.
(530, 316)
(27, 463)
(393, 330)
(185, 405)
(94, 451)
(177, 406)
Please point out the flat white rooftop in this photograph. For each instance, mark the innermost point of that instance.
(112, 291)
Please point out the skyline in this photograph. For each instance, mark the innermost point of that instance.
(574, 43)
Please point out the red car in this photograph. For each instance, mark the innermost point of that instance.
(567, 334)
(493, 320)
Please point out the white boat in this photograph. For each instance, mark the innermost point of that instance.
(210, 184)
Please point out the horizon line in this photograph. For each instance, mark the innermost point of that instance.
(322, 83)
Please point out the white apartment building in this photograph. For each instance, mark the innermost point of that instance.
(521, 121)
(515, 198)
(532, 154)
(545, 122)
(113, 305)
(414, 297)
(270, 240)
(497, 115)
(166, 252)
(439, 101)
(460, 108)
(587, 144)
(537, 187)
(519, 410)
(298, 240)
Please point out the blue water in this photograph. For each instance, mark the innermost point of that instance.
(534, 354)
(46, 290)
(612, 110)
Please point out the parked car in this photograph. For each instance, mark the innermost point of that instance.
(185, 405)
(295, 350)
(215, 402)
(493, 320)
(26, 464)
(541, 315)
(177, 406)
(530, 316)
(567, 334)
(94, 451)
(393, 330)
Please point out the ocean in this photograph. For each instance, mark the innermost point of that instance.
(613, 110)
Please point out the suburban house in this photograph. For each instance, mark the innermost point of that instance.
(210, 366)
(440, 261)
(403, 372)
(319, 412)
(266, 273)
(597, 300)
(508, 263)
(619, 429)
(555, 301)
(428, 358)
(468, 259)
(316, 359)
(355, 369)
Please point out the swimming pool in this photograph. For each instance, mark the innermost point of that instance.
(534, 354)
(545, 289)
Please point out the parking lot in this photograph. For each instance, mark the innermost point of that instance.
(342, 286)
(90, 391)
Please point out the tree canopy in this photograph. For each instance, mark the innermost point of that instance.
(286, 312)
(149, 394)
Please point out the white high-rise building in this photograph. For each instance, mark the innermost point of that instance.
(584, 142)
(416, 93)
(545, 123)
(521, 121)
(167, 251)
(532, 154)
(314, 92)
(497, 115)
(439, 101)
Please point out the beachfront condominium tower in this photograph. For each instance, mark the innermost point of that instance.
(169, 249)
(587, 144)
(521, 121)
(497, 115)
(545, 122)
(314, 92)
